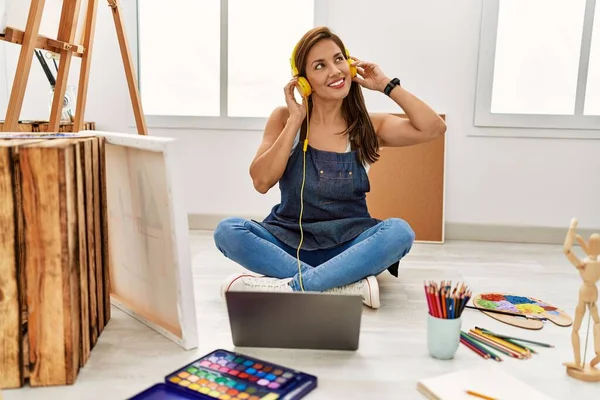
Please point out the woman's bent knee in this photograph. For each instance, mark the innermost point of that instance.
(402, 233)
(225, 230)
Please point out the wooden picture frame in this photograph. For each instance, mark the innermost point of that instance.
(149, 251)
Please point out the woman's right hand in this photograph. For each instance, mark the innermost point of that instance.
(297, 111)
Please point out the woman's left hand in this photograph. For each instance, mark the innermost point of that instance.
(369, 75)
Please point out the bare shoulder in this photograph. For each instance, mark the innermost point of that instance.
(276, 122)
(281, 113)
(273, 128)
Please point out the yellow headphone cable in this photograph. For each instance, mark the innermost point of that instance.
(302, 197)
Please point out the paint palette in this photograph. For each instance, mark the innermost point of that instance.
(226, 375)
(524, 305)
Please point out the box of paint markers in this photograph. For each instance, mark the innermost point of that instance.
(227, 375)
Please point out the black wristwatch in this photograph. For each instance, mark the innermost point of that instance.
(390, 86)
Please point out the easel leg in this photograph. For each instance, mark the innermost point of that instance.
(66, 33)
(24, 66)
(129, 70)
(86, 61)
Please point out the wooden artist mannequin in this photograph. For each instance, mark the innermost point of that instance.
(589, 269)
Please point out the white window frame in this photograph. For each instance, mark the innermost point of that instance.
(223, 122)
(583, 126)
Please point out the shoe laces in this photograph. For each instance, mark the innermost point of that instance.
(352, 288)
(266, 283)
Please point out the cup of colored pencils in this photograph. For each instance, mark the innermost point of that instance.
(446, 304)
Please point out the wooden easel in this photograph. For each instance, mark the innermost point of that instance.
(63, 45)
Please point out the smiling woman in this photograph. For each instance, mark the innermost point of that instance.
(321, 237)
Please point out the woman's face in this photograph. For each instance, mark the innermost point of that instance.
(328, 71)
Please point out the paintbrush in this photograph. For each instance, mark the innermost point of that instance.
(507, 313)
(45, 68)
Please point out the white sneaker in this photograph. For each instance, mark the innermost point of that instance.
(368, 288)
(255, 283)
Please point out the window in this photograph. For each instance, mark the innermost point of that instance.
(179, 68)
(216, 61)
(539, 65)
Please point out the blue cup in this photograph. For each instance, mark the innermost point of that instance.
(443, 337)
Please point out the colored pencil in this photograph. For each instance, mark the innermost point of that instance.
(428, 296)
(444, 304)
(437, 299)
(476, 350)
(520, 345)
(514, 338)
(481, 396)
(436, 302)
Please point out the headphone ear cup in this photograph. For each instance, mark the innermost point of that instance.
(353, 69)
(305, 89)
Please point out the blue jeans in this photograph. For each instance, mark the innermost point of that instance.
(372, 252)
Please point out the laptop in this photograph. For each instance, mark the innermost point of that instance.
(297, 320)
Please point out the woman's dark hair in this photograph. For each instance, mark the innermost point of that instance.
(360, 129)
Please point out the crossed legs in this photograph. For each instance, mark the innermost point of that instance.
(256, 249)
(253, 247)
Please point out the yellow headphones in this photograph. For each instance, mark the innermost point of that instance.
(305, 89)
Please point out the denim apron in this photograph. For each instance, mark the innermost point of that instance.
(335, 207)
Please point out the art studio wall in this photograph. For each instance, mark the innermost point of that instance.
(490, 181)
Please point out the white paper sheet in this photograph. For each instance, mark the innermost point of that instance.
(491, 381)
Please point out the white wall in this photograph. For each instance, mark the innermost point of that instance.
(432, 46)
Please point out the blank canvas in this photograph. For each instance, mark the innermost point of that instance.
(17, 12)
(149, 252)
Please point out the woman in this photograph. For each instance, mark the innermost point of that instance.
(321, 236)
